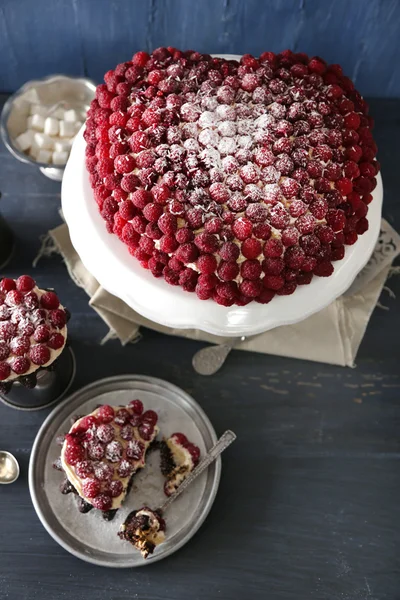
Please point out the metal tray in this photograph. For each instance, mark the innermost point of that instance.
(89, 536)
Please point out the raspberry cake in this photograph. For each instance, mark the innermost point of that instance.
(102, 452)
(178, 458)
(144, 529)
(237, 181)
(33, 331)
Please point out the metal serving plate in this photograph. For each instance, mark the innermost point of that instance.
(88, 536)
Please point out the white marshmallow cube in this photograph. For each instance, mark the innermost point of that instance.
(67, 129)
(51, 126)
(39, 109)
(70, 116)
(43, 141)
(60, 158)
(34, 151)
(61, 146)
(37, 122)
(58, 113)
(29, 122)
(25, 140)
(44, 156)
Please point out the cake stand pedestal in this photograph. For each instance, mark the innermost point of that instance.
(52, 385)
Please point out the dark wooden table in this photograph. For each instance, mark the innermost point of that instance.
(309, 502)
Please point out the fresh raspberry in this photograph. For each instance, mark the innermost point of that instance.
(129, 183)
(352, 120)
(290, 236)
(139, 141)
(229, 251)
(310, 244)
(294, 257)
(152, 212)
(250, 269)
(58, 318)
(56, 341)
(169, 244)
(50, 301)
(4, 350)
(344, 186)
(7, 330)
(167, 223)
(354, 153)
(90, 487)
(95, 450)
(251, 248)
(273, 282)
(362, 226)
(262, 231)
(25, 284)
(242, 228)
(324, 269)
(20, 365)
(103, 471)
(124, 469)
(105, 433)
(84, 469)
(39, 354)
(273, 266)
(6, 285)
(273, 248)
(20, 345)
(115, 488)
(135, 450)
(202, 292)
(188, 279)
(338, 253)
(124, 163)
(113, 451)
(325, 234)
(74, 453)
(105, 414)
(251, 289)
(150, 416)
(336, 219)
(14, 298)
(207, 263)
(102, 502)
(122, 417)
(228, 271)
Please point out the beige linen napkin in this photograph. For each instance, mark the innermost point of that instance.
(344, 321)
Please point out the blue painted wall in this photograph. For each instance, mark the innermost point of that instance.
(40, 37)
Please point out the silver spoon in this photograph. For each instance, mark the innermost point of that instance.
(224, 441)
(9, 467)
(208, 361)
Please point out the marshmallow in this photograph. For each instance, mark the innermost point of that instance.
(44, 156)
(58, 113)
(70, 116)
(60, 158)
(51, 126)
(39, 109)
(67, 129)
(34, 151)
(61, 145)
(25, 140)
(29, 122)
(37, 122)
(44, 141)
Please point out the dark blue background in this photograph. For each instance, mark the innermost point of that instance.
(88, 37)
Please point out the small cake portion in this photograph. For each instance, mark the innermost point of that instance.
(178, 458)
(103, 450)
(33, 331)
(145, 529)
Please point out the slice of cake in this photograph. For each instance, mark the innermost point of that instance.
(178, 458)
(33, 331)
(144, 529)
(103, 450)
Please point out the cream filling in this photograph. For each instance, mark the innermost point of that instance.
(138, 464)
(184, 465)
(54, 354)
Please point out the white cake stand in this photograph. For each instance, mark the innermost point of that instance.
(108, 260)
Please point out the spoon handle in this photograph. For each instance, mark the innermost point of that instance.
(224, 441)
(209, 360)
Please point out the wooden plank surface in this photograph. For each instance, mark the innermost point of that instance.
(88, 37)
(308, 505)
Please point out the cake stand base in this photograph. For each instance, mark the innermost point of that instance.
(51, 386)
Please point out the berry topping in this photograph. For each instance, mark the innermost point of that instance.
(122, 417)
(50, 301)
(105, 433)
(135, 450)
(105, 414)
(58, 318)
(114, 451)
(84, 469)
(136, 406)
(102, 501)
(90, 487)
(39, 354)
(116, 488)
(74, 453)
(5, 370)
(56, 341)
(25, 284)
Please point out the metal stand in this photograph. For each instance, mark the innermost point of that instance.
(51, 386)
